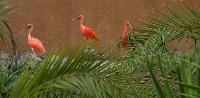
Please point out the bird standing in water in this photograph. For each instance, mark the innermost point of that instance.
(86, 31)
(34, 43)
(124, 36)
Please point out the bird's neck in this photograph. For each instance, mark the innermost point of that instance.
(29, 32)
(125, 28)
(81, 23)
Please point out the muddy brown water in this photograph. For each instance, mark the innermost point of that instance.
(51, 19)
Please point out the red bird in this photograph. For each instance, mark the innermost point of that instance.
(86, 31)
(124, 36)
(34, 43)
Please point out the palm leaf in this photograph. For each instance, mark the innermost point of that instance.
(90, 87)
(57, 66)
(5, 9)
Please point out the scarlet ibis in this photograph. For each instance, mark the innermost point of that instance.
(34, 43)
(89, 33)
(124, 36)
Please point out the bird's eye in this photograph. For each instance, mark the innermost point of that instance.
(28, 26)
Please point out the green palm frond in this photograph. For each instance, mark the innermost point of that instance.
(5, 9)
(184, 69)
(91, 87)
(155, 33)
(64, 66)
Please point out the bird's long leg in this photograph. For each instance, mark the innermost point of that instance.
(33, 53)
(124, 49)
(87, 43)
(97, 44)
(110, 51)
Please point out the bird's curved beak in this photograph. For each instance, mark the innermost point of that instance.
(23, 30)
(130, 26)
(74, 20)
